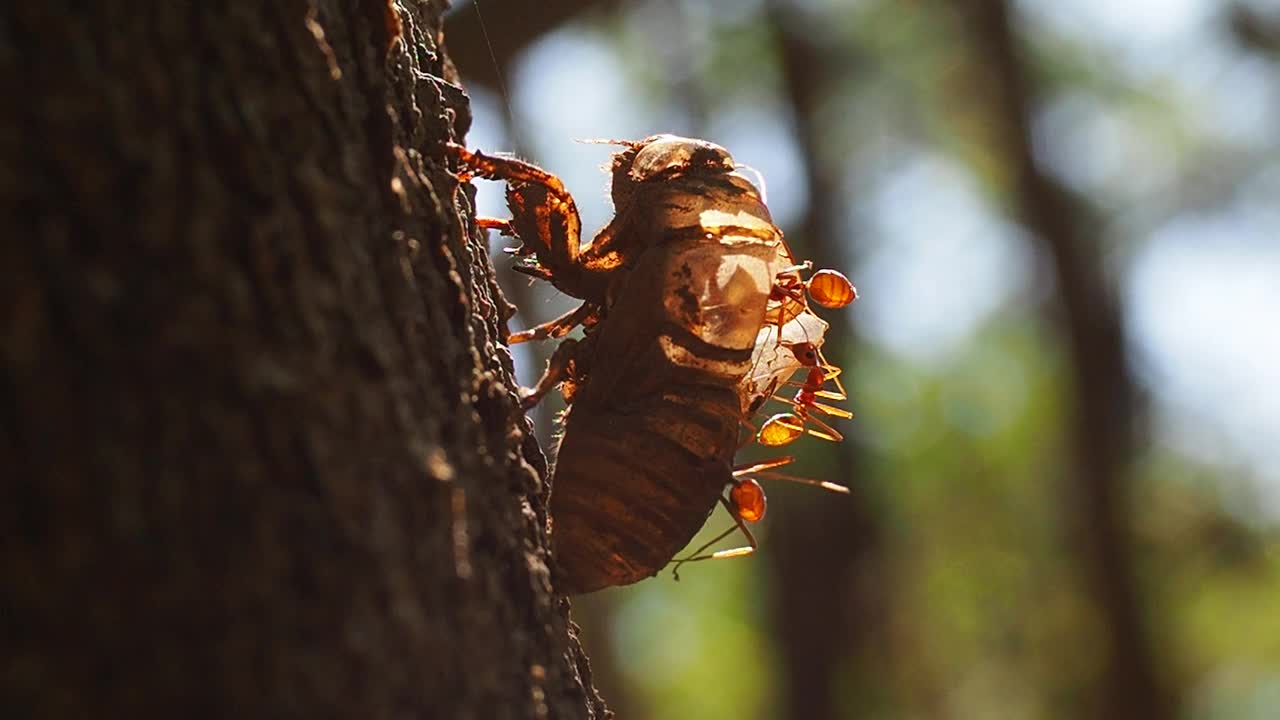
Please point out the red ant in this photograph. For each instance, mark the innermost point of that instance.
(746, 503)
(785, 427)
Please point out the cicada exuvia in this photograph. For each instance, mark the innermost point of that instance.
(681, 293)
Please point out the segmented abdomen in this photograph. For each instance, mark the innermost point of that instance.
(649, 441)
(633, 487)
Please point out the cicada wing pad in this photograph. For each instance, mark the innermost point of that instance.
(687, 311)
(717, 290)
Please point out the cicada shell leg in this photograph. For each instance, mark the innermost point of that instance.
(503, 227)
(556, 328)
(556, 372)
(739, 524)
(506, 228)
(545, 215)
(504, 168)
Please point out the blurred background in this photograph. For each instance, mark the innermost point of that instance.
(1064, 223)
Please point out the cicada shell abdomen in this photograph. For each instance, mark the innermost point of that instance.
(649, 441)
(626, 498)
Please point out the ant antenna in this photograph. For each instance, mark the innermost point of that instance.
(803, 481)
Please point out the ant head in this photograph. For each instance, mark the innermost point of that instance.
(806, 353)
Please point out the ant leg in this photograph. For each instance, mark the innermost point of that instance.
(832, 411)
(782, 429)
(826, 394)
(721, 554)
(767, 475)
(557, 370)
(784, 294)
(675, 571)
(798, 423)
(832, 373)
(762, 466)
(823, 430)
(788, 307)
(556, 328)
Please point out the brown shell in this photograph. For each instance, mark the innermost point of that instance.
(649, 440)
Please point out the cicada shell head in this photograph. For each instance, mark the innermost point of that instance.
(663, 155)
(660, 156)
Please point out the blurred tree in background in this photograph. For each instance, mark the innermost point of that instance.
(1063, 220)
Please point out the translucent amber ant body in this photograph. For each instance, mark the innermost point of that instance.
(831, 289)
(748, 499)
(786, 427)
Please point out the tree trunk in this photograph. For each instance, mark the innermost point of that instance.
(261, 451)
(828, 573)
(1103, 405)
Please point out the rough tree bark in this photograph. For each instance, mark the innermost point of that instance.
(260, 449)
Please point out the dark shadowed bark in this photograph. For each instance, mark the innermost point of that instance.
(1103, 398)
(260, 449)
